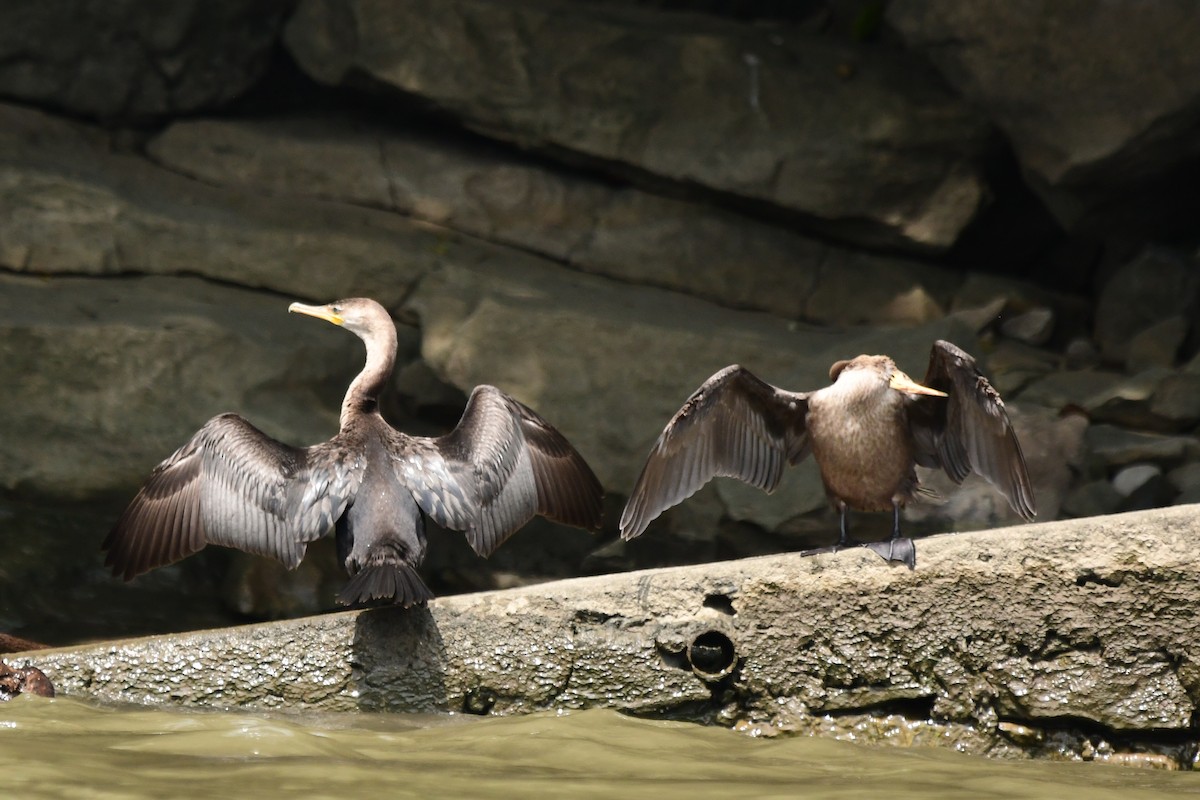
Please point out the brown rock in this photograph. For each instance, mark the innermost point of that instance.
(592, 225)
(1091, 499)
(122, 372)
(1155, 286)
(70, 205)
(1122, 105)
(756, 111)
(23, 680)
(135, 59)
(1111, 446)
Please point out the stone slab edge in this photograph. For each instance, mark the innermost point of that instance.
(1087, 619)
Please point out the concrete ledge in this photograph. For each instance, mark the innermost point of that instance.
(999, 638)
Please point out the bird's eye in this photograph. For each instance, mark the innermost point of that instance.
(336, 309)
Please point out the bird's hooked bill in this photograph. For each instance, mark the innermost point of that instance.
(904, 383)
(320, 312)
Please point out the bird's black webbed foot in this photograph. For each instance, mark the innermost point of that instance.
(898, 548)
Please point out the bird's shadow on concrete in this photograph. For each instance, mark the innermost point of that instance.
(399, 661)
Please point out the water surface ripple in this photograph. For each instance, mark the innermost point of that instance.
(69, 748)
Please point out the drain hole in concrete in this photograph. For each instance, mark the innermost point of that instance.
(719, 602)
(711, 654)
(479, 700)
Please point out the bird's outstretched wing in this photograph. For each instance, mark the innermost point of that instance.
(734, 425)
(233, 485)
(969, 431)
(501, 465)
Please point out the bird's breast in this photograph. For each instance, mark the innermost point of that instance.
(863, 451)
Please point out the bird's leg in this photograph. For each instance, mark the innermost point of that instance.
(897, 548)
(843, 526)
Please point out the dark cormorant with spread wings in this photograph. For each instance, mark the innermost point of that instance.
(235, 486)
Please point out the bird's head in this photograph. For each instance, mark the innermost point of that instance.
(359, 315)
(881, 371)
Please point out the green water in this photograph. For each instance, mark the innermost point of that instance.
(67, 748)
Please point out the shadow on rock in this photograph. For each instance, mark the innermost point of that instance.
(399, 660)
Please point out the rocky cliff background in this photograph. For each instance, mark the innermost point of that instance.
(593, 205)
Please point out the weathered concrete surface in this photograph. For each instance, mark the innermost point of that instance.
(1085, 623)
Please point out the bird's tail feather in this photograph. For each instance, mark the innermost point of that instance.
(396, 582)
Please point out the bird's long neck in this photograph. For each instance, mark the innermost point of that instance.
(363, 395)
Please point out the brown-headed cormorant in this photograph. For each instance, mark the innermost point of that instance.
(867, 432)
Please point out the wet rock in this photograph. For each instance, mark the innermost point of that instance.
(1159, 761)
(23, 680)
(763, 112)
(136, 59)
(1122, 108)
(1155, 286)
(1021, 734)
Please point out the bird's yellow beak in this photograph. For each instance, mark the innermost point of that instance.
(903, 383)
(320, 312)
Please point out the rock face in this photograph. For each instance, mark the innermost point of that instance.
(622, 232)
(1156, 287)
(772, 115)
(593, 206)
(135, 59)
(1092, 96)
(69, 206)
(127, 370)
(1044, 626)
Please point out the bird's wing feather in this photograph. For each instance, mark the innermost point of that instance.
(501, 465)
(969, 431)
(233, 485)
(734, 425)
